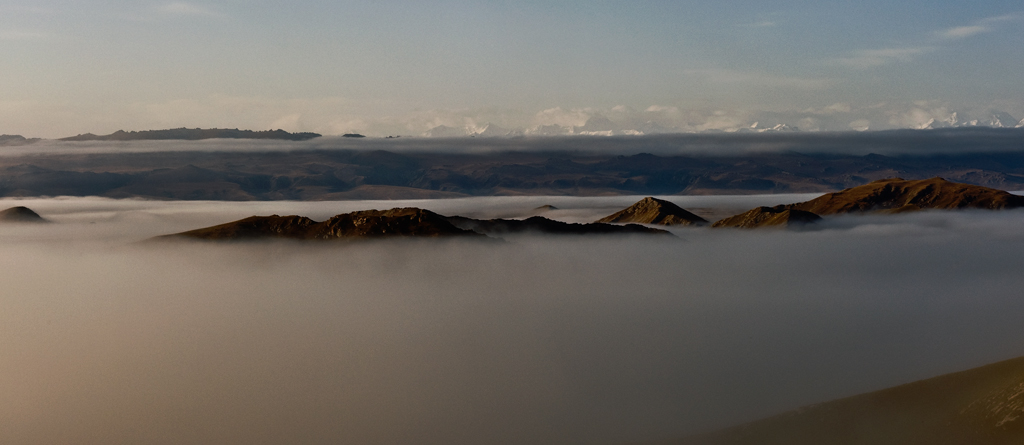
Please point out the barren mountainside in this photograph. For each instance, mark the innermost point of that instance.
(893, 195)
(777, 216)
(651, 210)
(897, 195)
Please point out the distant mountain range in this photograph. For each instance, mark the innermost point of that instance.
(361, 174)
(15, 139)
(602, 126)
(193, 134)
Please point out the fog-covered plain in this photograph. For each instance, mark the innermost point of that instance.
(104, 340)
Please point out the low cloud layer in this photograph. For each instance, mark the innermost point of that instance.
(539, 340)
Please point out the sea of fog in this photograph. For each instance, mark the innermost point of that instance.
(538, 340)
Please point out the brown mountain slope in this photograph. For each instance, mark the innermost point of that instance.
(897, 195)
(777, 216)
(654, 211)
(398, 222)
(20, 214)
(979, 406)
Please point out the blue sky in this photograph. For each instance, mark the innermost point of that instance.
(403, 67)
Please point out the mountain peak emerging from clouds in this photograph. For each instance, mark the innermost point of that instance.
(20, 214)
(652, 210)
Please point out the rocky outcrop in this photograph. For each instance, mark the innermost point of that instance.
(777, 216)
(20, 214)
(897, 195)
(654, 211)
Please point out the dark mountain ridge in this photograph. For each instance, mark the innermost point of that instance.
(327, 174)
(397, 222)
(15, 140)
(193, 134)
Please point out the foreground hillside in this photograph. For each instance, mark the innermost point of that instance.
(979, 406)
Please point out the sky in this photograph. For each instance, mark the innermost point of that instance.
(539, 340)
(404, 67)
